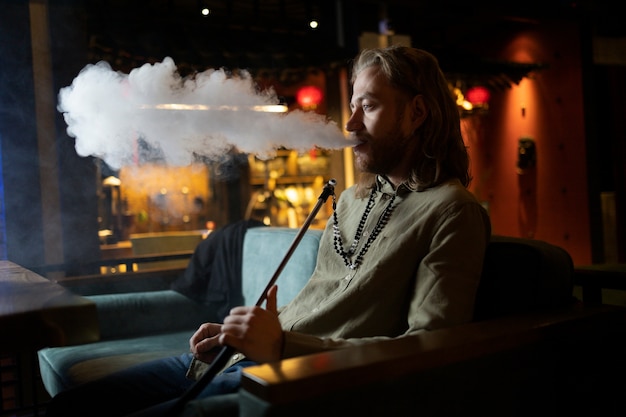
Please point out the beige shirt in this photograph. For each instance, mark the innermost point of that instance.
(420, 273)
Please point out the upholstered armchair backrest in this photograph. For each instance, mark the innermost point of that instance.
(522, 275)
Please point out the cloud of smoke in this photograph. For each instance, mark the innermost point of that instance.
(119, 117)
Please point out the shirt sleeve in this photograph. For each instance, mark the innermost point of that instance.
(448, 276)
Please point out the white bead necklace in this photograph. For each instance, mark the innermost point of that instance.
(337, 240)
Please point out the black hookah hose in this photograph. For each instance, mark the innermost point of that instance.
(227, 351)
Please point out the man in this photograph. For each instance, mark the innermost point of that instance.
(402, 253)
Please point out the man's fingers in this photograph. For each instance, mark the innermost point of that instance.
(270, 303)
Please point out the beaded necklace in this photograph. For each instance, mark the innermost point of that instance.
(382, 221)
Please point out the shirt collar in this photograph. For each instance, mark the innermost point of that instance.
(385, 186)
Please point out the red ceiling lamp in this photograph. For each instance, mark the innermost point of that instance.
(309, 97)
(478, 95)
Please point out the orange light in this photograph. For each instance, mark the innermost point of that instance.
(478, 95)
(309, 96)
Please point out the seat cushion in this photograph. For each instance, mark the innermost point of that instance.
(65, 367)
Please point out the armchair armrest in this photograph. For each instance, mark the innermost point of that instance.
(150, 312)
(411, 373)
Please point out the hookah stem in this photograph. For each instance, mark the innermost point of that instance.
(328, 190)
(227, 351)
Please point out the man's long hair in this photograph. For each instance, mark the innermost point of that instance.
(441, 154)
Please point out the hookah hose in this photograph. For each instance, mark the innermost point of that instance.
(226, 352)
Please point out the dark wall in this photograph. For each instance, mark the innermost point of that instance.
(77, 175)
(18, 138)
(22, 169)
(607, 146)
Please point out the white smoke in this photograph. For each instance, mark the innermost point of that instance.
(107, 112)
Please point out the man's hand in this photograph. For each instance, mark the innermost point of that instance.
(254, 331)
(204, 343)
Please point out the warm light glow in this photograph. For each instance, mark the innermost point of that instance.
(309, 96)
(269, 108)
(313, 24)
(292, 195)
(461, 101)
(111, 182)
(478, 95)
(156, 193)
(275, 108)
(205, 11)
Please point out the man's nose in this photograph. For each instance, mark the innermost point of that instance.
(354, 123)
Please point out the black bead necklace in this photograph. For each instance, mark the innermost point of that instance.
(382, 221)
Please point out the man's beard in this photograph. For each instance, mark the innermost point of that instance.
(385, 153)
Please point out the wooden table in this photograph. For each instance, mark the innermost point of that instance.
(36, 312)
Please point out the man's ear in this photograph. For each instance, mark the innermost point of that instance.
(418, 111)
